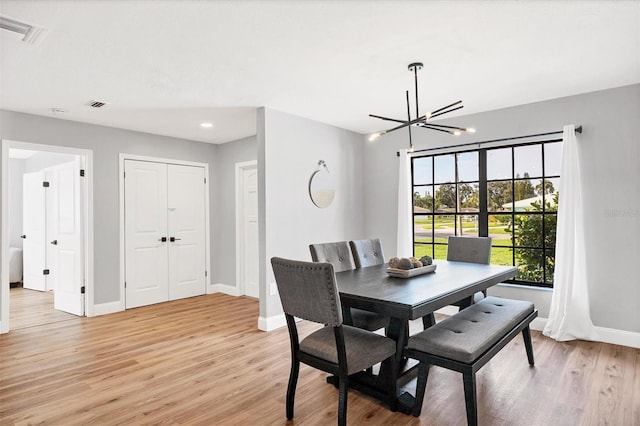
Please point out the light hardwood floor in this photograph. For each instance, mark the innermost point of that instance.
(202, 361)
(28, 308)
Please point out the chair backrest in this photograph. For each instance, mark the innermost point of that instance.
(338, 254)
(469, 249)
(308, 290)
(367, 252)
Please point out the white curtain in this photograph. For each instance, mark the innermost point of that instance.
(405, 218)
(569, 316)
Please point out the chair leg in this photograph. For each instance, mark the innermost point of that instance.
(526, 334)
(291, 388)
(470, 400)
(342, 400)
(421, 385)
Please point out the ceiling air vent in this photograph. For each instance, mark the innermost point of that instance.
(96, 104)
(27, 32)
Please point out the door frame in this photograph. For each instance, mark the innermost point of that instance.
(240, 168)
(86, 188)
(122, 158)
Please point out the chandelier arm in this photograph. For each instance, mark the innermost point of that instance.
(446, 112)
(408, 123)
(387, 118)
(426, 126)
(443, 108)
(409, 119)
(462, 129)
(415, 75)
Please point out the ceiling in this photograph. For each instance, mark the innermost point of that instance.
(164, 67)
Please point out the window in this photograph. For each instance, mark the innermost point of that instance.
(508, 193)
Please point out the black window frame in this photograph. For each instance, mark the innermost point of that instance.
(483, 214)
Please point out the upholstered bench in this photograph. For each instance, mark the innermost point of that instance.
(467, 340)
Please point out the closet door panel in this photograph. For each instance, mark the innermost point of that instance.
(186, 227)
(146, 268)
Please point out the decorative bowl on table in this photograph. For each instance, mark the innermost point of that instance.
(410, 266)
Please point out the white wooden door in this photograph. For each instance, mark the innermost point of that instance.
(66, 264)
(186, 228)
(33, 230)
(250, 232)
(51, 228)
(146, 268)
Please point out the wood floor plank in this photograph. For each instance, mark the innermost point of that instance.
(202, 361)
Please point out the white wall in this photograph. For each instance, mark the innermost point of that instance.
(289, 149)
(610, 161)
(16, 166)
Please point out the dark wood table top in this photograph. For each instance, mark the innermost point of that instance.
(373, 289)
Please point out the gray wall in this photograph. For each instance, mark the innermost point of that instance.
(610, 166)
(223, 216)
(289, 148)
(106, 143)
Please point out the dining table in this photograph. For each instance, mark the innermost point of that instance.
(403, 299)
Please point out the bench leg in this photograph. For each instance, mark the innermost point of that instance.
(526, 335)
(421, 385)
(470, 400)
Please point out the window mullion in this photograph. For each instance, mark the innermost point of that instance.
(483, 215)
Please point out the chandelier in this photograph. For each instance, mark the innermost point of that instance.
(422, 120)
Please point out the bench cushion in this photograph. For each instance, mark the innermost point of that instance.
(471, 332)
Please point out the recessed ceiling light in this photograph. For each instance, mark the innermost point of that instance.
(206, 125)
(58, 110)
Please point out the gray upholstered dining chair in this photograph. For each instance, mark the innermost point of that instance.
(339, 255)
(472, 250)
(308, 291)
(367, 252)
(465, 249)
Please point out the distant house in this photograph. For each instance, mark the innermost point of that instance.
(527, 203)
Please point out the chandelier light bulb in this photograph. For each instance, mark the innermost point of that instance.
(470, 130)
(456, 133)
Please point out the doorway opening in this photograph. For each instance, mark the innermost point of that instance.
(47, 247)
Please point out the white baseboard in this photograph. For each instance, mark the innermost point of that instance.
(618, 337)
(107, 308)
(538, 324)
(271, 323)
(223, 288)
(605, 335)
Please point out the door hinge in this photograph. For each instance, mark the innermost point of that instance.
(205, 273)
(125, 284)
(82, 290)
(45, 184)
(82, 172)
(45, 272)
(205, 180)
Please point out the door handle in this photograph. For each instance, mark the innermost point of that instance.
(173, 239)
(163, 239)
(54, 242)
(23, 236)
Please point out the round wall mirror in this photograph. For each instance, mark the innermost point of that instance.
(321, 186)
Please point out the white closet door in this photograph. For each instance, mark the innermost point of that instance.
(186, 228)
(67, 262)
(33, 230)
(146, 266)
